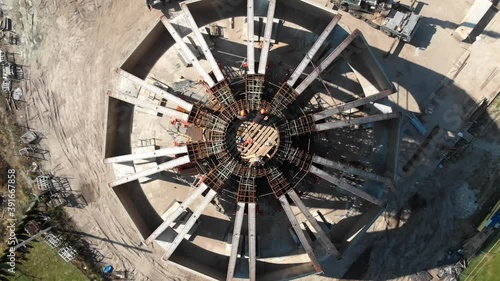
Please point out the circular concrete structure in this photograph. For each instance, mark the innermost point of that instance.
(271, 196)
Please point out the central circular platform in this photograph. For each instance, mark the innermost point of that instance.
(252, 139)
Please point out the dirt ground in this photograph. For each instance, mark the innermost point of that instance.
(71, 49)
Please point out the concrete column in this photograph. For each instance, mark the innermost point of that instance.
(252, 235)
(325, 63)
(152, 88)
(351, 170)
(267, 37)
(185, 49)
(164, 166)
(203, 44)
(319, 231)
(356, 121)
(238, 221)
(189, 224)
(349, 105)
(170, 219)
(250, 41)
(149, 105)
(300, 233)
(345, 186)
(146, 155)
(314, 49)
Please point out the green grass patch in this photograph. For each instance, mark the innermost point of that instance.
(489, 216)
(486, 266)
(43, 263)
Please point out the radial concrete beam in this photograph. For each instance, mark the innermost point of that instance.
(326, 62)
(146, 155)
(171, 218)
(314, 49)
(185, 49)
(331, 249)
(189, 224)
(250, 41)
(356, 121)
(164, 166)
(345, 186)
(204, 46)
(252, 235)
(267, 37)
(149, 105)
(152, 88)
(349, 105)
(238, 221)
(351, 170)
(300, 233)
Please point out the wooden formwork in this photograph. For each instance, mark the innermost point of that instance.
(198, 116)
(277, 182)
(285, 96)
(246, 190)
(222, 93)
(254, 86)
(300, 126)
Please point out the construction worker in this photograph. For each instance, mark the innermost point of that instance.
(243, 115)
(260, 116)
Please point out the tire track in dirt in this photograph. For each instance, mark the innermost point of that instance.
(71, 70)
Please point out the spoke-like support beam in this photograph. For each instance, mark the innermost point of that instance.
(147, 155)
(252, 235)
(356, 121)
(331, 249)
(345, 186)
(314, 49)
(349, 105)
(152, 88)
(300, 233)
(187, 52)
(267, 37)
(171, 218)
(162, 167)
(351, 170)
(189, 224)
(250, 39)
(203, 44)
(151, 106)
(326, 62)
(238, 221)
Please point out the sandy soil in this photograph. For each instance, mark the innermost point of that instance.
(71, 50)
